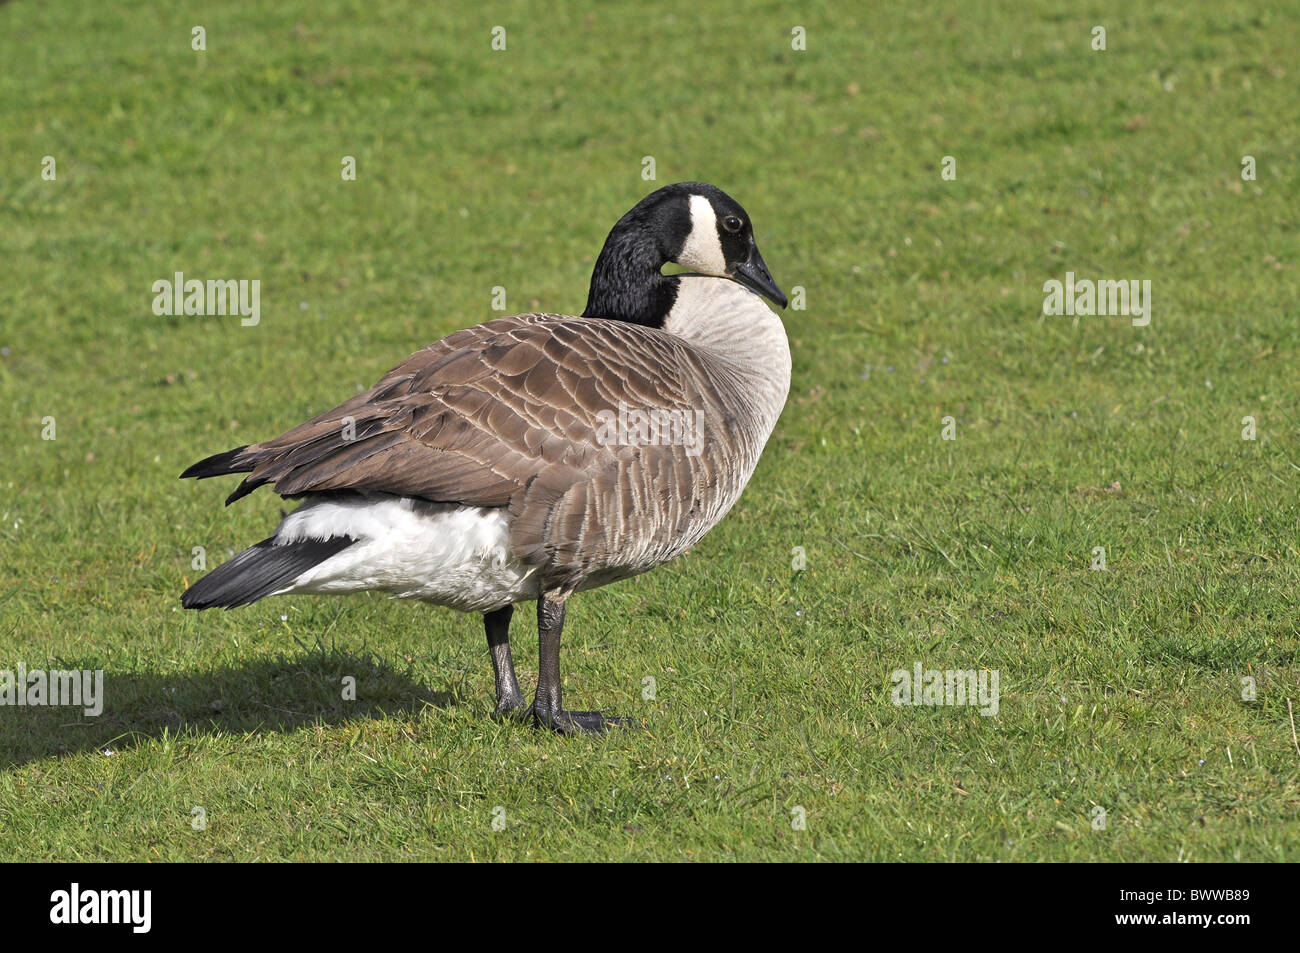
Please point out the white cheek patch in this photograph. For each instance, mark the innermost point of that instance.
(703, 250)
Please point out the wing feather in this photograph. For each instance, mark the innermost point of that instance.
(507, 414)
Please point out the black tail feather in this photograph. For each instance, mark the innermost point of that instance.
(260, 571)
(219, 464)
(246, 486)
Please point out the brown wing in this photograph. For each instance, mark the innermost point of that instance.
(505, 414)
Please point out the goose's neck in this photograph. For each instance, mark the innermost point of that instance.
(737, 326)
(626, 284)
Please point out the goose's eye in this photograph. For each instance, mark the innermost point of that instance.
(731, 223)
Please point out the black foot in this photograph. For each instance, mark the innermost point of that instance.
(517, 710)
(581, 722)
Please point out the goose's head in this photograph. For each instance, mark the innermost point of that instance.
(692, 224)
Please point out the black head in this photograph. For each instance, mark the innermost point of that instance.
(692, 224)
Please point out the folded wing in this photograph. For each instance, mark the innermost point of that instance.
(506, 414)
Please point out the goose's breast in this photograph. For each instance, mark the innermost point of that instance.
(651, 509)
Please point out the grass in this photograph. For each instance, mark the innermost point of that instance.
(1120, 689)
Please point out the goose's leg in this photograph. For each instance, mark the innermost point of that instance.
(548, 710)
(510, 700)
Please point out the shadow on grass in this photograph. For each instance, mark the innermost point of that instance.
(284, 693)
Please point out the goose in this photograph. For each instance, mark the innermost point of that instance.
(537, 455)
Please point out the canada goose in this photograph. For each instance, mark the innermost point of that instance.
(537, 455)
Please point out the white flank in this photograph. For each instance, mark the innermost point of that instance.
(446, 554)
(703, 249)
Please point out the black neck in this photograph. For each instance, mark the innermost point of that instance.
(626, 284)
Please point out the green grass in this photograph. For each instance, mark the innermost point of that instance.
(476, 168)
